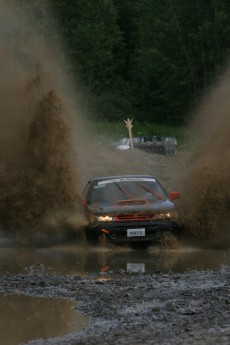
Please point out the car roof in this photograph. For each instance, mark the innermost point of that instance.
(121, 176)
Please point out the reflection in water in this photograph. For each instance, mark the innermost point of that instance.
(73, 259)
(32, 318)
(25, 318)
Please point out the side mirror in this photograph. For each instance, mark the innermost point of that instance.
(174, 196)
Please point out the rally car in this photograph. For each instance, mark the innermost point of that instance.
(129, 209)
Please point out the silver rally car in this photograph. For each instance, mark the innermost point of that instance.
(129, 209)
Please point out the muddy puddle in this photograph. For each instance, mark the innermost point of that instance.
(25, 318)
(87, 261)
(35, 317)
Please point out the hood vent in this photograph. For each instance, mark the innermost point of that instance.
(130, 202)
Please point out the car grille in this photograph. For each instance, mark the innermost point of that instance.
(137, 216)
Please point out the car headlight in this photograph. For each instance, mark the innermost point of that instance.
(104, 218)
(172, 215)
(166, 215)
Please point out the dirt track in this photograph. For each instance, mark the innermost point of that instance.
(173, 308)
(189, 308)
(104, 160)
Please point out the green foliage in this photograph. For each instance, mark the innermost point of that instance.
(105, 132)
(150, 58)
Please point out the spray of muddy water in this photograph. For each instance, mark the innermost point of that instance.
(37, 162)
(205, 185)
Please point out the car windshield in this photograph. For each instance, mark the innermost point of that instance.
(112, 190)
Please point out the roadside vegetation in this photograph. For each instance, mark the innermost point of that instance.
(107, 131)
(152, 59)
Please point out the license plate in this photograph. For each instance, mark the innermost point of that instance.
(135, 232)
(135, 267)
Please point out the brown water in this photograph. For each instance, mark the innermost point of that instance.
(93, 261)
(37, 157)
(205, 184)
(32, 318)
(25, 318)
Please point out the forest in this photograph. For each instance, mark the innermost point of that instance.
(151, 59)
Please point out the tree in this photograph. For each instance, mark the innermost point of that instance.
(147, 58)
(94, 44)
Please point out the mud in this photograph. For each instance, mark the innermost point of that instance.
(44, 157)
(191, 308)
(37, 158)
(40, 180)
(205, 184)
(44, 183)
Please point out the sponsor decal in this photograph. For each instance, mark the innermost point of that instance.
(124, 179)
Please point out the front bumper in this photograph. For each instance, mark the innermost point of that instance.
(117, 232)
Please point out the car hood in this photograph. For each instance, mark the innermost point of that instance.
(160, 206)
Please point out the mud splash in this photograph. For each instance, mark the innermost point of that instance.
(205, 186)
(42, 186)
(37, 162)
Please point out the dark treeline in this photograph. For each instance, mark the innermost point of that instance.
(148, 59)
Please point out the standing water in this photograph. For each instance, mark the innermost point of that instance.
(96, 261)
(25, 318)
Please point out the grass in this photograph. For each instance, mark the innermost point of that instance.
(107, 132)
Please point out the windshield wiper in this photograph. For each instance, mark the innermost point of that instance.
(156, 195)
(123, 190)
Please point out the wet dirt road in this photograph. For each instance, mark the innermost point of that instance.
(158, 296)
(172, 308)
(165, 297)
